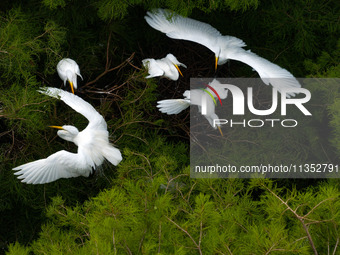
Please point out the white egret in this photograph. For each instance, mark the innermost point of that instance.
(93, 146)
(166, 67)
(68, 70)
(225, 47)
(196, 97)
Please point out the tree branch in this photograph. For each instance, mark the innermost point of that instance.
(187, 233)
(107, 64)
(300, 218)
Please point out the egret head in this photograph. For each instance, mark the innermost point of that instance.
(70, 78)
(175, 62)
(67, 132)
(221, 90)
(186, 94)
(226, 46)
(220, 57)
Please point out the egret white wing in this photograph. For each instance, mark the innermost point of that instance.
(62, 164)
(179, 27)
(61, 69)
(78, 104)
(153, 67)
(173, 106)
(269, 72)
(77, 71)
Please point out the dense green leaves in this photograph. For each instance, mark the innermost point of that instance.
(53, 4)
(108, 10)
(141, 218)
(24, 42)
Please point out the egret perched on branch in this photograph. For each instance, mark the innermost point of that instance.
(165, 67)
(225, 47)
(93, 146)
(68, 70)
(196, 97)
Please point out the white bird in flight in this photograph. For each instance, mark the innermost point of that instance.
(196, 97)
(225, 47)
(93, 146)
(166, 67)
(68, 70)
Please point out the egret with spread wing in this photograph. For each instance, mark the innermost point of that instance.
(166, 67)
(68, 70)
(93, 146)
(196, 97)
(225, 47)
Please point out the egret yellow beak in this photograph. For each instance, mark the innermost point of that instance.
(57, 127)
(216, 60)
(71, 84)
(179, 70)
(219, 128)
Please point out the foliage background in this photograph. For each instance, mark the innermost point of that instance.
(148, 204)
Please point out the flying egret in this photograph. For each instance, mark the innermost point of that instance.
(68, 70)
(197, 97)
(225, 47)
(165, 67)
(93, 146)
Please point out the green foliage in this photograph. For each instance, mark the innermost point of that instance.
(108, 9)
(139, 217)
(24, 42)
(25, 110)
(19, 47)
(326, 65)
(18, 250)
(54, 4)
(302, 23)
(118, 9)
(55, 37)
(334, 109)
(240, 5)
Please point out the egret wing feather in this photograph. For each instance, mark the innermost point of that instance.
(269, 72)
(62, 164)
(179, 27)
(78, 104)
(173, 106)
(77, 71)
(153, 67)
